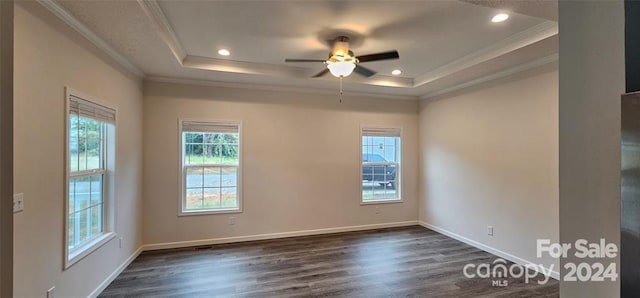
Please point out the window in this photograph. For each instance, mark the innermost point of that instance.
(90, 160)
(381, 155)
(211, 157)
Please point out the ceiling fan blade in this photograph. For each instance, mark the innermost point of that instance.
(364, 71)
(379, 56)
(323, 72)
(304, 60)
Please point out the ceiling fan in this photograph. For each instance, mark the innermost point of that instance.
(342, 62)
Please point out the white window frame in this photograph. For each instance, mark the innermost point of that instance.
(399, 187)
(182, 177)
(108, 184)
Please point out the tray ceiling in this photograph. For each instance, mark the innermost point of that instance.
(442, 44)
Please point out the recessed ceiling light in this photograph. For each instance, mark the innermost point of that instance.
(501, 17)
(396, 72)
(223, 52)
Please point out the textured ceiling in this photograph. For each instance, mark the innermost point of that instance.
(431, 36)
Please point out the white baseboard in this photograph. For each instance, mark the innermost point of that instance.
(115, 273)
(518, 260)
(276, 235)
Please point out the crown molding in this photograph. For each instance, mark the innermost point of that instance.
(428, 96)
(244, 67)
(100, 43)
(163, 27)
(494, 76)
(385, 81)
(154, 13)
(519, 40)
(234, 66)
(159, 19)
(183, 81)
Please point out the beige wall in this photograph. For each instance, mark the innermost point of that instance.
(6, 148)
(301, 160)
(592, 78)
(47, 60)
(489, 157)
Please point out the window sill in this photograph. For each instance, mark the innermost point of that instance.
(372, 202)
(86, 249)
(209, 212)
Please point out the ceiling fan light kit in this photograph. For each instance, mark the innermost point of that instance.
(342, 61)
(341, 68)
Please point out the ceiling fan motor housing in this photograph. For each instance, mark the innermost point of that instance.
(341, 47)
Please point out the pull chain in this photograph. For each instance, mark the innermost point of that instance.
(340, 89)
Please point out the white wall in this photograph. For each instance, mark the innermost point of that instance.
(301, 160)
(592, 78)
(48, 57)
(489, 157)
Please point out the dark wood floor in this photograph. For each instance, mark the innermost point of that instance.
(408, 261)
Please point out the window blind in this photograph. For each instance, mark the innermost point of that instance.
(381, 132)
(84, 108)
(216, 126)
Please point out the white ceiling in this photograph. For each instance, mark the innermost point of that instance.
(442, 44)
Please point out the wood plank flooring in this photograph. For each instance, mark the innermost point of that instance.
(408, 261)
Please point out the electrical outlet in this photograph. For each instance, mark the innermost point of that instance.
(490, 230)
(232, 220)
(121, 242)
(51, 293)
(377, 210)
(18, 202)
